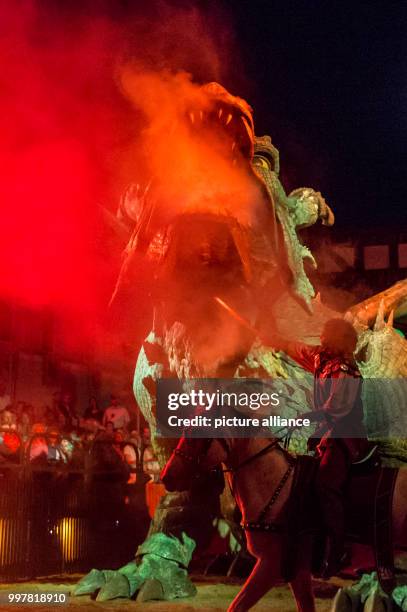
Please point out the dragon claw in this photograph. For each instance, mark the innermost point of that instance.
(116, 586)
(377, 602)
(346, 600)
(89, 584)
(151, 589)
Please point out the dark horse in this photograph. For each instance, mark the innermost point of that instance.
(261, 475)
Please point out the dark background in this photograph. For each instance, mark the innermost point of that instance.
(328, 81)
(331, 87)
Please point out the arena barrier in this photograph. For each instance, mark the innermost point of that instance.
(55, 519)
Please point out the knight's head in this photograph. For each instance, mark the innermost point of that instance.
(339, 336)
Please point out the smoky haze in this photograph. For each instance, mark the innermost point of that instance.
(71, 141)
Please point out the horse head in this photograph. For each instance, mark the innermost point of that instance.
(191, 460)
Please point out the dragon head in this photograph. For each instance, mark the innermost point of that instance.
(214, 216)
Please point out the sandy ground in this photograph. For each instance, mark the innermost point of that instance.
(212, 596)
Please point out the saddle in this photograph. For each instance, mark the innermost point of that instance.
(368, 503)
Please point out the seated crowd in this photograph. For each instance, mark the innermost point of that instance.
(58, 436)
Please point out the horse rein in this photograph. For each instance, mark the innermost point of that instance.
(260, 453)
(259, 524)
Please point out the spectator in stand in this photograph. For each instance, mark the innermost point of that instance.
(74, 451)
(24, 424)
(106, 455)
(106, 433)
(118, 441)
(117, 414)
(146, 436)
(37, 448)
(54, 452)
(8, 419)
(66, 409)
(77, 440)
(150, 463)
(131, 455)
(67, 448)
(9, 439)
(135, 440)
(93, 412)
(145, 440)
(109, 429)
(55, 407)
(92, 420)
(91, 426)
(88, 439)
(9, 446)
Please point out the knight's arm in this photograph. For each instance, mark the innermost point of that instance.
(303, 354)
(343, 395)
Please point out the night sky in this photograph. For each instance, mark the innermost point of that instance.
(331, 88)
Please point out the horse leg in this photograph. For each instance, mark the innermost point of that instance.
(301, 584)
(301, 587)
(262, 578)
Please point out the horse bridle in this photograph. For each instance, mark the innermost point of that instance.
(259, 524)
(198, 457)
(248, 460)
(195, 458)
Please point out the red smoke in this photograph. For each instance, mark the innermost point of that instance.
(190, 148)
(55, 120)
(70, 139)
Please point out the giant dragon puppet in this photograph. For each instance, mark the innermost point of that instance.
(236, 241)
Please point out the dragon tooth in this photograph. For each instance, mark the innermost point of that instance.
(220, 113)
(229, 118)
(192, 118)
(247, 126)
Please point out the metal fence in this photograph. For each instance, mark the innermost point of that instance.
(55, 519)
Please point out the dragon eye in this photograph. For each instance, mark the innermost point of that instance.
(262, 162)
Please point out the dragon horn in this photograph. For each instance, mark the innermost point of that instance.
(390, 319)
(379, 323)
